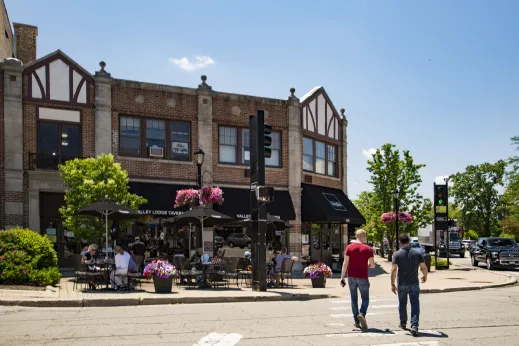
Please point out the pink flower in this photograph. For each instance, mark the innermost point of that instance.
(2, 258)
(26, 252)
(14, 251)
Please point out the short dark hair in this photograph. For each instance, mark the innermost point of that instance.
(404, 239)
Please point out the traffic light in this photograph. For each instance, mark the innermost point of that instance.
(267, 131)
(440, 195)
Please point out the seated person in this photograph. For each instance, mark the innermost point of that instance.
(122, 260)
(196, 256)
(278, 260)
(89, 259)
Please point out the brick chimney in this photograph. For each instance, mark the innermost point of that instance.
(25, 42)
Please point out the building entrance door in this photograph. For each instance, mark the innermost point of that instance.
(64, 241)
(321, 245)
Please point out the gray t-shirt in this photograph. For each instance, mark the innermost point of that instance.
(408, 260)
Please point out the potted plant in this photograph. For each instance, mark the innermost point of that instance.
(318, 272)
(162, 273)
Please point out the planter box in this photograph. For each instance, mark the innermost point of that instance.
(162, 285)
(319, 282)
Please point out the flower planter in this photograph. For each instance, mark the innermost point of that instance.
(319, 282)
(162, 285)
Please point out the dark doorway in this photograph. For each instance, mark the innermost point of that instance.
(65, 243)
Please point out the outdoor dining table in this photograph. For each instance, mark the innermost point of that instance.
(204, 283)
(105, 267)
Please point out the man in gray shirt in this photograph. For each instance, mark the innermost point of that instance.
(406, 261)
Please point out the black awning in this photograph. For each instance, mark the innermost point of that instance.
(324, 204)
(161, 198)
(237, 204)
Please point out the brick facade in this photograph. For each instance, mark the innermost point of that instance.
(25, 42)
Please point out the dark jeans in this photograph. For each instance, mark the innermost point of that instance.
(363, 286)
(413, 291)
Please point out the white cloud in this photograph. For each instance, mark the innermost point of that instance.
(191, 65)
(368, 153)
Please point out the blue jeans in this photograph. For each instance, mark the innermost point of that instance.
(363, 286)
(413, 291)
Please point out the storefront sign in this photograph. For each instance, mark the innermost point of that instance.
(161, 212)
(180, 148)
(247, 216)
(334, 201)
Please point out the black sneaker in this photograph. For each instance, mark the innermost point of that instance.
(402, 326)
(357, 324)
(362, 321)
(414, 331)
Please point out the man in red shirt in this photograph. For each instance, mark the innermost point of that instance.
(357, 256)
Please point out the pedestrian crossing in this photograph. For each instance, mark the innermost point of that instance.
(341, 309)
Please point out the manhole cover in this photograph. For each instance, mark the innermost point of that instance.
(481, 282)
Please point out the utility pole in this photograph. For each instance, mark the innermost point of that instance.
(259, 197)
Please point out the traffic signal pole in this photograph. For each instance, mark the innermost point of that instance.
(260, 141)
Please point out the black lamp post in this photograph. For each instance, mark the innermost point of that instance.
(396, 195)
(199, 160)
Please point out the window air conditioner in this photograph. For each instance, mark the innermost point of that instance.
(156, 152)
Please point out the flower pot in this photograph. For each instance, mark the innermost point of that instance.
(319, 282)
(162, 285)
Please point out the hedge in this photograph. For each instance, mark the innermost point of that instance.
(27, 258)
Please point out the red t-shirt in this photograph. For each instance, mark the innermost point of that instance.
(359, 254)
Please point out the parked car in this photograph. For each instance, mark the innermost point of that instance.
(416, 245)
(495, 252)
(238, 239)
(468, 243)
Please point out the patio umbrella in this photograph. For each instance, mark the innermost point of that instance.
(274, 223)
(110, 211)
(201, 215)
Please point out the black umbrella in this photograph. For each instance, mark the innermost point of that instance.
(274, 223)
(110, 211)
(204, 215)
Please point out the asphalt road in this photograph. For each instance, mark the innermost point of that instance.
(466, 262)
(486, 317)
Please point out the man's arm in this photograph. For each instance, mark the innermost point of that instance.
(371, 261)
(423, 268)
(345, 266)
(394, 269)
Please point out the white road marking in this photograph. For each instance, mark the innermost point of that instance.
(423, 343)
(389, 333)
(336, 324)
(371, 301)
(219, 339)
(367, 316)
(370, 307)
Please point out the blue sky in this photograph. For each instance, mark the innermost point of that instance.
(439, 78)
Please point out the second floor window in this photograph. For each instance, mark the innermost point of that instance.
(57, 143)
(138, 135)
(319, 157)
(234, 147)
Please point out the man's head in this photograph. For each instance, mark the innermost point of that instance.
(361, 235)
(404, 240)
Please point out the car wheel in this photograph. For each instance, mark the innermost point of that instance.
(231, 244)
(489, 264)
(474, 262)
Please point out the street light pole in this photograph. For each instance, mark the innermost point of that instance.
(396, 195)
(199, 160)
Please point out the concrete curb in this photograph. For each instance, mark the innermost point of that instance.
(511, 281)
(110, 302)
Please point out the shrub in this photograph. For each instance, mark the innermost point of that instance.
(27, 258)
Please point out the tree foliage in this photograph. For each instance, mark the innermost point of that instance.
(88, 181)
(475, 194)
(390, 171)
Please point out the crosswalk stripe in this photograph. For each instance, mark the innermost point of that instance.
(422, 343)
(368, 315)
(370, 307)
(219, 339)
(379, 334)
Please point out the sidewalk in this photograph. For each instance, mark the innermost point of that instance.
(455, 279)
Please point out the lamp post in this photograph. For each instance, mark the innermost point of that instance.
(199, 160)
(396, 195)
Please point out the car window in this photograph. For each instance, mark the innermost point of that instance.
(501, 242)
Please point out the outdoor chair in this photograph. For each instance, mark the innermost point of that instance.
(134, 278)
(231, 269)
(186, 274)
(216, 275)
(79, 271)
(286, 272)
(243, 273)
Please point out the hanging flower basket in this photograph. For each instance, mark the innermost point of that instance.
(390, 217)
(205, 196)
(405, 217)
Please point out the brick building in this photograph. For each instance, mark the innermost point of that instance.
(52, 110)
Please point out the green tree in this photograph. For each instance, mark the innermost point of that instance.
(88, 181)
(474, 192)
(389, 171)
(367, 205)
